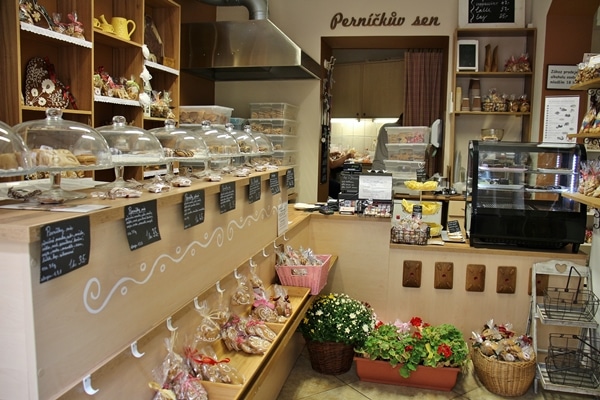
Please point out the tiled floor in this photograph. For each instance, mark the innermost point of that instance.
(306, 384)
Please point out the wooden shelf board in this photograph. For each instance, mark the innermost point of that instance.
(591, 84)
(500, 74)
(583, 135)
(491, 113)
(583, 199)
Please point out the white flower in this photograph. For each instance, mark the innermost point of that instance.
(34, 92)
(41, 101)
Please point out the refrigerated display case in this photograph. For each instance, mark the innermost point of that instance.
(516, 195)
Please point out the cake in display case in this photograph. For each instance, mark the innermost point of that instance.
(60, 145)
(516, 192)
(130, 146)
(182, 145)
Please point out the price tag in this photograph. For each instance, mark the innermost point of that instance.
(227, 197)
(193, 208)
(141, 224)
(289, 178)
(254, 189)
(274, 183)
(453, 226)
(65, 246)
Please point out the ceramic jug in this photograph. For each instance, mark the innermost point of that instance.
(104, 25)
(122, 27)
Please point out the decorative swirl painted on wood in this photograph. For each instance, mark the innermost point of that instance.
(93, 289)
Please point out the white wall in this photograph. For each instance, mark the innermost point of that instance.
(306, 21)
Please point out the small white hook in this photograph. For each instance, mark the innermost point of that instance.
(252, 263)
(170, 326)
(134, 350)
(236, 274)
(197, 305)
(87, 386)
(218, 285)
(285, 238)
(274, 244)
(265, 253)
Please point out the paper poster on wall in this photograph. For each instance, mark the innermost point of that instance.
(282, 218)
(560, 119)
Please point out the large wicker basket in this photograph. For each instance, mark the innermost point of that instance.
(329, 357)
(501, 377)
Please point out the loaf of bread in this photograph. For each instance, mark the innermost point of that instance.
(86, 159)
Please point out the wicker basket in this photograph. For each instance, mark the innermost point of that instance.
(329, 357)
(503, 378)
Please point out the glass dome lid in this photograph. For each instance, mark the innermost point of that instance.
(59, 145)
(15, 156)
(265, 146)
(131, 145)
(244, 139)
(180, 143)
(221, 144)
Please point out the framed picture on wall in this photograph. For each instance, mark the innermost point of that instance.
(491, 14)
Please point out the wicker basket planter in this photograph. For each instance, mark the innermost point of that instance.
(329, 357)
(503, 378)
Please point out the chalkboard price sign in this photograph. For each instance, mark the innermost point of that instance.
(289, 178)
(274, 183)
(491, 13)
(193, 208)
(65, 246)
(453, 226)
(227, 197)
(254, 189)
(141, 224)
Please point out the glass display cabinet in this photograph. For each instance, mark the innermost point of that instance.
(516, 195)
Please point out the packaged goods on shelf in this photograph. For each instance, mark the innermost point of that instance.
(408, 134)
(273, 110)
(284, 157)
(283, 142)
(406, 151)
(197, 114)
(274, 126)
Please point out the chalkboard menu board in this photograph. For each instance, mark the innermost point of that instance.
(453, 226)
(193, 208)
(274, 183)
(254, 189)
(227, 197)
(289, 178)
(65, 246)
(509, 13)
(349, 182)
(141, 224)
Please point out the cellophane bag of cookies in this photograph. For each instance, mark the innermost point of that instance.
(242, 296)
(218, 370)
(263, 308)
(209, 328)
(281, 299)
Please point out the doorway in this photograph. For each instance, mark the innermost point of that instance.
(360, 44)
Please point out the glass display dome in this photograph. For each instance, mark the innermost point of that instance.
(130, 146)
(59, 145)
(247, 143)
(180, 144)
(222, 146)
(15, 157)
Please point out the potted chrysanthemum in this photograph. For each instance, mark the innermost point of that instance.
(411, 353)
(333, 326)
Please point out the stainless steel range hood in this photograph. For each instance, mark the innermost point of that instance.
(243, 50)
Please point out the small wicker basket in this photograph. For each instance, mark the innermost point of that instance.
(503, 378)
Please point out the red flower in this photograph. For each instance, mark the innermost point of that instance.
(378, 324)
(408, 348)
(417, 335)
(445, 350)
(416, 321)
(426, 324)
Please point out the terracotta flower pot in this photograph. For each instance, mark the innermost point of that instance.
(424, 377)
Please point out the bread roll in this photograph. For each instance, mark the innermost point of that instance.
(9, 161)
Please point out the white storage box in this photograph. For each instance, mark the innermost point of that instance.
(403, 169)
(197, 114)
(273, 110)
(408, 134)
(406, 152)
(283, 142)
(274, 126)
